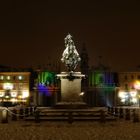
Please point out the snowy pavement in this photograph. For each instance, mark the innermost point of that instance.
(118, 130)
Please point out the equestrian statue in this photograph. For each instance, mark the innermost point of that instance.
(70, 55)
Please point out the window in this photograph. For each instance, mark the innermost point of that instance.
(14, 77)
(1, 94)
(125, 77)
(20, 86)
(8, 77)
(132, 76)
(8, 86)
(101, 80)
(138, 77)
(126, 86)
(1, 77)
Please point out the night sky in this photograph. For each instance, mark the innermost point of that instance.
(32, 32)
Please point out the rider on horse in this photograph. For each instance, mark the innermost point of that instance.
(70, 55)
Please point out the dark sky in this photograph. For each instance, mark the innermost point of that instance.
(32, 32)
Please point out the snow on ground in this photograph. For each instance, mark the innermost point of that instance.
(116, 130)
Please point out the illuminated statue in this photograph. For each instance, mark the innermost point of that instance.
(70, 55)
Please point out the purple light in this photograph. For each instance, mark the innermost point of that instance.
(44, 89)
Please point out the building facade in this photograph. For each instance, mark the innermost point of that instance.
(47, 91)
(101, 89)
(128, 91)
(14, 87)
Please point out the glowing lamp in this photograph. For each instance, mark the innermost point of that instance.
(7, 97)
(137, 85)
(19, 96)
(20, 77)
(81, 94)
(13, 100)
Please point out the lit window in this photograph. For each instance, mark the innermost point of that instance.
(13, 94)
(8, 86)
(25, 94)
(8, 77)
(1, 94)
(1, 77)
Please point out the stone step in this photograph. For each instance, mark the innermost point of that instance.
(71, 113)
(56, 118)
(71, 105)
(77, 115)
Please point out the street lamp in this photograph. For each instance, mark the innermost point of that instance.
(137, 87)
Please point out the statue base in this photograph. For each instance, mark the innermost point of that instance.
(71, 95)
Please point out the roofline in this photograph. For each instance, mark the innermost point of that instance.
(13, 73)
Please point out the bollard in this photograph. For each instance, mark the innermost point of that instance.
(31, 111)
(108, 110)
(4, 115)
(112, 111)
(26, 112)
(21, 113)
(70, 118)
(127, 114)
(14, 114)
(37, 116)
(135, 116)
(120, 113)
(116, 111)
(102, 116)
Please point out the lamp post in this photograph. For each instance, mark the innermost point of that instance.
(139, 98)
(138, 90)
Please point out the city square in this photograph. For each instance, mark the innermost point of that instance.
(69, 70)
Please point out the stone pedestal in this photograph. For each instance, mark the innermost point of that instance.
(71, 87)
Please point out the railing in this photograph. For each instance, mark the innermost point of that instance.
(15, 114)
(126, 113)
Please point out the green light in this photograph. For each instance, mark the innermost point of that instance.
(46, 77)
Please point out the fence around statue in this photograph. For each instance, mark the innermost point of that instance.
(127, 113)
